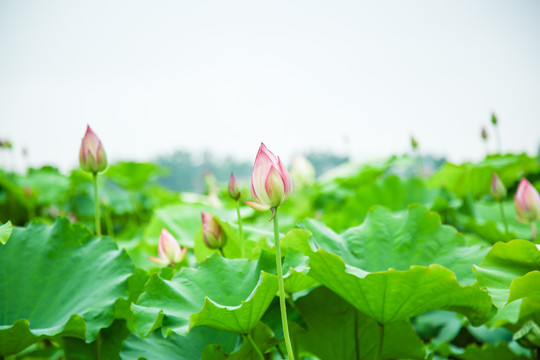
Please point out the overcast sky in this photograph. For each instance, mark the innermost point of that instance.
(360, 77)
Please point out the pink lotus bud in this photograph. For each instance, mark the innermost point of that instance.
(270, 181)
(497, 188)
(213, 236)
(527, 202)
(169, 251)
(92, 157)
(234, 191)
(484, 133)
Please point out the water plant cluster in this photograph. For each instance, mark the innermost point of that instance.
(372, 261)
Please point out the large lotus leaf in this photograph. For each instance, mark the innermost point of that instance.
(501, 271)
(398, 240)
(504, 263)
(156, 347)
(107, 346)
(336, 330)
(58, 279)
(476, 178)
(225, 294)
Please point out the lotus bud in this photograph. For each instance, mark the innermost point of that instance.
(271, 183)
(213, 235)
(169, 251)
(527, 202)
(302, 171)
(497, 188)
(414, 143)
(484, 133)
(494, 119)
(234, 191)
(92, 157)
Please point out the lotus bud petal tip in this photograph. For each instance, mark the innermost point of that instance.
(234, 191)
(271, 183)
(213, 235)
(527, 202)
(92, 157)
(169, 251)
(498, 190)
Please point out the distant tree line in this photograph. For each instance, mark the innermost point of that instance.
(187, 170)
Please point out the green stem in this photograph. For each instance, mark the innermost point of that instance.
(257, 350)
(108, 222)
(498, 139)
(242, 246)
(504, 219)
(281, 285)
(98, 346)
(96, 205)
(533, 229)
(381, 340)
(220, 250)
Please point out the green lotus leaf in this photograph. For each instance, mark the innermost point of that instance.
(500, 351)
(399, 240)
(5, 232)
(336, 330)
(476, 178)
(156, 347)
(225, 294)
(58, 280)
(359, 265)
(504, 272)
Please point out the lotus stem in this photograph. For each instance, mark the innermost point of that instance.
(533, 229)
(504, 219)
(381, 340)
(242, 246)
(281, 286)
(255, 347)
(96, 205)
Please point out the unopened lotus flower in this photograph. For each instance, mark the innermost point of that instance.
(497, 188)
(169, 251)
(92, 157)
(484, 133)
(527, 202)
(213, 235)
(302, 171)
(270, 182)
(234, 191)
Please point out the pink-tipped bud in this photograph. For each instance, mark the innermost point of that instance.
(234, 190)
(527, 202)
(169, 251)
(213, 235)
(92, 157)
(497, 188)
(271, 183)
(484, 133)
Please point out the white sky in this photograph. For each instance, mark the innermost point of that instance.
(151, 77)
